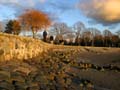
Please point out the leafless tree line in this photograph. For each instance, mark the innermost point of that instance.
(78, 34)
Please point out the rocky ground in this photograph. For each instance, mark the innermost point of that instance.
(64, 68)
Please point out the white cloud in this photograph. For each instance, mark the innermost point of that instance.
(24, 3)
(104, 11)
(42, 1)
(9, 1)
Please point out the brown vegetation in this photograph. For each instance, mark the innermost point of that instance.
(34, 20)
(13, 27)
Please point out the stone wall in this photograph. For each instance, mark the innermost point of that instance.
(16, 47)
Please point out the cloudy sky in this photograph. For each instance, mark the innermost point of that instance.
(102, 14)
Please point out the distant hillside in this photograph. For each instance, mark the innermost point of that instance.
(17, 47)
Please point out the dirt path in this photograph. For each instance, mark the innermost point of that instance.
(103, 80)
(64, 68)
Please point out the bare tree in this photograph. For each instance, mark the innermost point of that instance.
(86, 36)
(70, 36)
(118, 33)
(98, 40)
(78, 27)
(115, 40)
(107, 37)
(60, 30)
(1, 27)
(94, 32)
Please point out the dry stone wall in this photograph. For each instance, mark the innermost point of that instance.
(16, 47)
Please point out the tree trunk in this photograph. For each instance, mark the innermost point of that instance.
(93, 42)
(33, 32)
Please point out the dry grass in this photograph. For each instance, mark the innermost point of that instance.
(62, 67)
